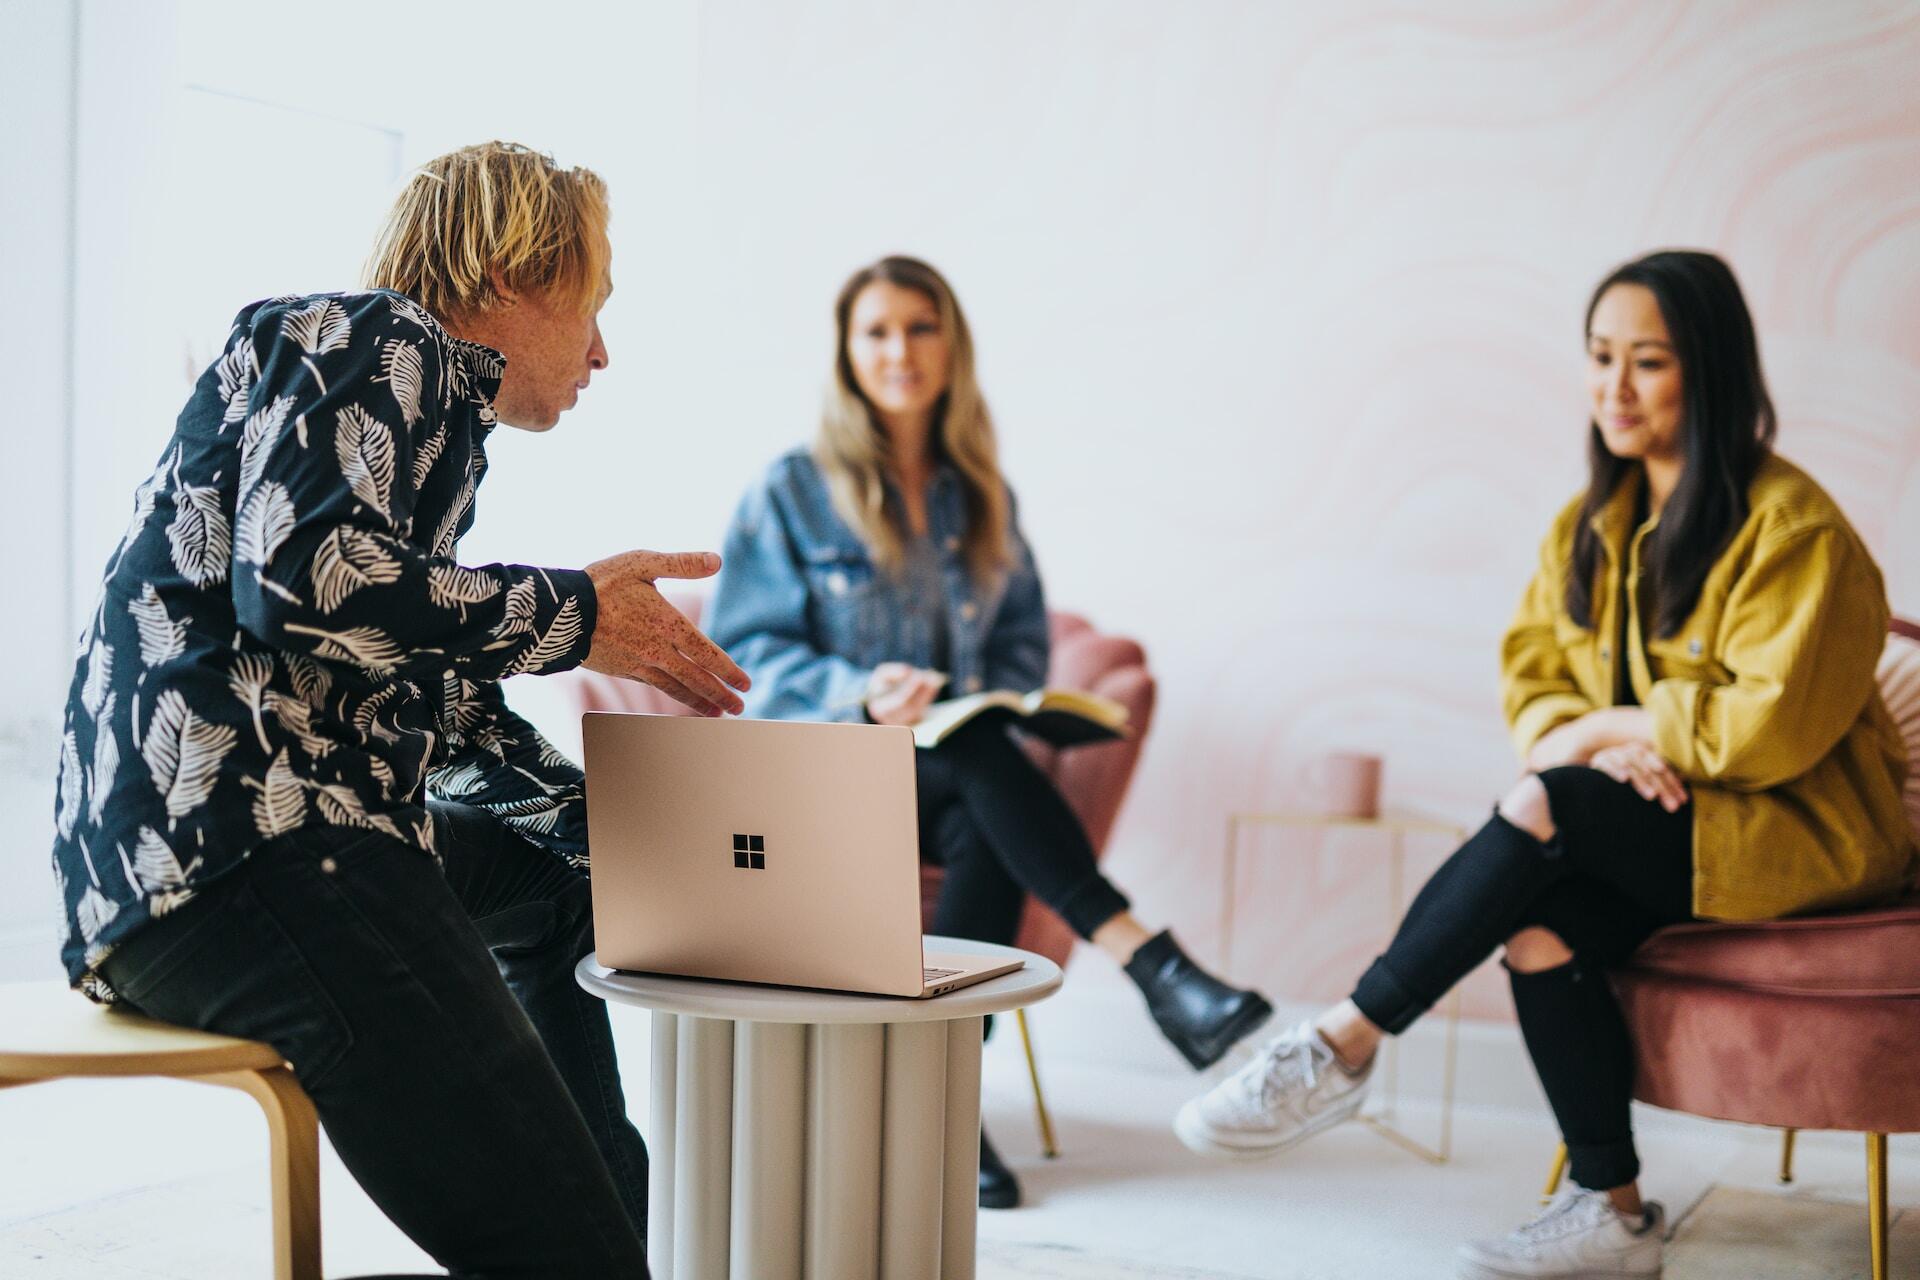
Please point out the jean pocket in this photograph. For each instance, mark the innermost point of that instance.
(144, 961)
(238, 972)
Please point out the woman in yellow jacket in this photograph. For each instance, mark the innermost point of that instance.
(1690, 681)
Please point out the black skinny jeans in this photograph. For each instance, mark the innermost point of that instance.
(475, 1097)
(1618, 868)
(1002, 830)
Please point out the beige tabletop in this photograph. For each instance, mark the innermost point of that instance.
(1037, 979)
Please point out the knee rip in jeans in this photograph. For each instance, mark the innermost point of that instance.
(1538, 950)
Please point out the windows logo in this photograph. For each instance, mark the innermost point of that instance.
(750, 852)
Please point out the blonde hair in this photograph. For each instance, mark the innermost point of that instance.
(497, 209)
(851, 447)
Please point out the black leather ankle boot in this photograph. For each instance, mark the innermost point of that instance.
(1199, 1015)
(999, 1189)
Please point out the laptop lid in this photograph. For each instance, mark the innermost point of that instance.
(755, 850)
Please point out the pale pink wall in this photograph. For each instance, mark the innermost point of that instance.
(1278, 308)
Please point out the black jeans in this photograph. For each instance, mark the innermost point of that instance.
(1618, 868)
(1002, 830)
(474, 1097)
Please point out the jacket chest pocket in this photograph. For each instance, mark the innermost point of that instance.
(1689, 653)
(1589, 660)
(846, 600)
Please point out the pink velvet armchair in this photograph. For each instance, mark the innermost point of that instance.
(1094, 779)
(1806, 1023)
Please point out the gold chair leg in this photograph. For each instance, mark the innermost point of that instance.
(294, 1134)
(1786, 1155)
(1047, 1144)
(1554, 1174)
(1877, 1202)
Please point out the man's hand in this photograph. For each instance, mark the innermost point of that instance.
(639, 636)
(900, 694)
(1641, 767)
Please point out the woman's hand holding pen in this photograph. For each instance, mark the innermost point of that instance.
(899, 693)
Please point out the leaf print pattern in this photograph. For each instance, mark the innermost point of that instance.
(559, 641)
(161, 638)
(349, 559)
(94, 913)
(452, 587)
(368, 647)
(70, 785)
(145, 496)
(401, 370)
(295, 715)
(265, 523)
(235, 372)
(280, 802)
(248, 680)
(317, 328)
(94, 693)
(522, 603)
(447, 534)
(106, 762)
(183, 753)
(311, 682)
(428, 454)
(365, 448)
(258, 438)
(213, 707)
(201, 538)
(60, 899)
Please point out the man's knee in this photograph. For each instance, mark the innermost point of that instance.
(1526, 807)
(1536, 949)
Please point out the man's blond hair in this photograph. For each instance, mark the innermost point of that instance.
(491, 216)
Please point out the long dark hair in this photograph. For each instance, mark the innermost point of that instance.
(1726, 431)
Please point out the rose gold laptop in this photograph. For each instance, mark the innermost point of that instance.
(761, 851)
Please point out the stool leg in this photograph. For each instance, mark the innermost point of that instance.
(294, 1133)
(1554, 1174)
(1047, 1144)
(1786, 1155)
(1877, 1202)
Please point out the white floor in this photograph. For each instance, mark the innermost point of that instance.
(181, 1195)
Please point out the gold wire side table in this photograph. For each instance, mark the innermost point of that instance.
(1399, 827)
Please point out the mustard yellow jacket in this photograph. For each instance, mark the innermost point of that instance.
(1764, 701)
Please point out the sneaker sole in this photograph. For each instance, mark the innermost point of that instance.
(1483, 1271)
(1202, 1139)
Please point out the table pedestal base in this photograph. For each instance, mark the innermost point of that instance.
(788, 1151)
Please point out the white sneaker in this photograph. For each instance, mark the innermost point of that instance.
(1577, 1237)
(1292, 1089)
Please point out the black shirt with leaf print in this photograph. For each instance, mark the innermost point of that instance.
(284, 638)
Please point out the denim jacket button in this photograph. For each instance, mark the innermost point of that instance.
(969, 611)
(973, 684)
(952, 543)
(837, 583)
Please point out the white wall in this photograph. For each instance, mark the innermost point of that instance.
(1278, 306)
(36, 64)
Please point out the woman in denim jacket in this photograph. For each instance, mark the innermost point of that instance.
(865, 576)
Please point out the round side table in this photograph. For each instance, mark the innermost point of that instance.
(815, 1135)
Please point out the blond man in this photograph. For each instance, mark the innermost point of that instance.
(293, 803)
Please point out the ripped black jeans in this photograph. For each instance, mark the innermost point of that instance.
(1618, 868)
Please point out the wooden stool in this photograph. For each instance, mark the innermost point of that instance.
(50, 1033)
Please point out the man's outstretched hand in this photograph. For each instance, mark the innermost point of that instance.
(639, 636)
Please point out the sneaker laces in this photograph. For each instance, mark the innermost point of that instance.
(1283, 1061)
(1568, 1215)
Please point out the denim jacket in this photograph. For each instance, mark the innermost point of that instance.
(803, 608)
